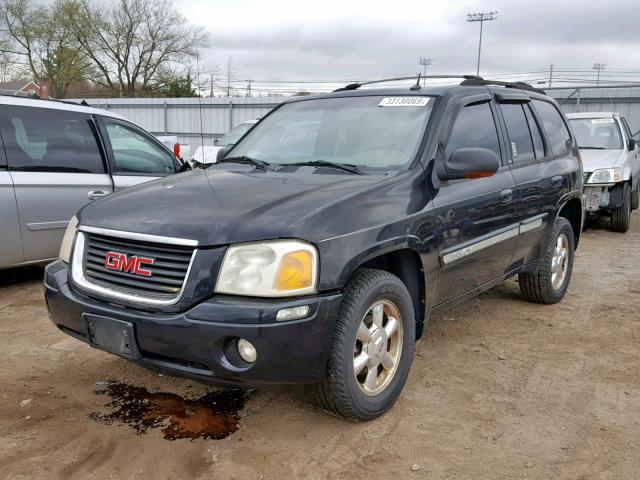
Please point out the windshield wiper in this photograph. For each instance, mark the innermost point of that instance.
(346, 167)
(247, 160)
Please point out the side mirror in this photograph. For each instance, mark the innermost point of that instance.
(632, 144)
(469, 163)
(184, 167)
(222, 153)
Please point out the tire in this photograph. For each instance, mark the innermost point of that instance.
(621, 216)
(543, 287)
(635, 196)
(340, 392)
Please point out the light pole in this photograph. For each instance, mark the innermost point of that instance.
(481, 17)
(425, 62)
(599, 67)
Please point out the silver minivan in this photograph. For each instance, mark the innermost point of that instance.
(57, 156)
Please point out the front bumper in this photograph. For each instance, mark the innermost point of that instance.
(199, 343)
(603, 197)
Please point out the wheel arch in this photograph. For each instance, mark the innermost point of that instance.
(572, 209)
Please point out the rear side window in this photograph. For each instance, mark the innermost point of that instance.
(135, 153)
(48, 140)
(536, 135)
(553, 124)
(474, 127)
(518, 131)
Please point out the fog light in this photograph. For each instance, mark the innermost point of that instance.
(247, 351)
(293, 313)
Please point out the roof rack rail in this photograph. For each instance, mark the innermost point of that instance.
(35, 96)
(486, 82)
(355, 86)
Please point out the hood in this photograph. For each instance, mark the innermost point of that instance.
(593, 159)
(239, 203)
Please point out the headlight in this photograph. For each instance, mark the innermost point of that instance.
(67, 240)
(276, 268)
(605, 175)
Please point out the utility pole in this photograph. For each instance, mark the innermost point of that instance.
(550, 75)
(248, 92)
(481, 17)
(425, 62)
(599, 67)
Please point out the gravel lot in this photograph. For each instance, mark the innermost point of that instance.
(499, 389)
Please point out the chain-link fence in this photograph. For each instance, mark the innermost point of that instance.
(622, 99)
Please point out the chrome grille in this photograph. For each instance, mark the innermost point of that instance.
(167, 273)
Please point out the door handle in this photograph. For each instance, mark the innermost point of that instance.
(506, 195)
(95, 194)
(557, 181)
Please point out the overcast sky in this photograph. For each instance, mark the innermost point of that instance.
(354, 39)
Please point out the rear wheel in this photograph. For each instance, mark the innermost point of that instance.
(621, 216)
(551, 281)
(372, 348)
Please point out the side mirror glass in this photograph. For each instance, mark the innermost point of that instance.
(632, 144)
(222, 153)
(469, 163)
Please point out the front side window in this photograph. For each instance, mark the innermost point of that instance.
(474, 127)
(518, 132)
(597, 133)
(134, 153)
(371, 132)
(553, 124)
(49, 140)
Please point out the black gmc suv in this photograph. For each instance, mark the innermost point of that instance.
(315, 250)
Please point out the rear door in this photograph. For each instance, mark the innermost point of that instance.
(542, 163)
(134, 155)
(56, 166)
(10, 237)
(477, 218)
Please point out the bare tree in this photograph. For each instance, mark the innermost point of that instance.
(131, 42)
(41, 37)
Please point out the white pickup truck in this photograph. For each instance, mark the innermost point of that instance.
(611, 165)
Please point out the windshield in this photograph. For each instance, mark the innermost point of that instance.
(234, 135)
(371, 132)
(597, 133)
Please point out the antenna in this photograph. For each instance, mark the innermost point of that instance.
(417, 85)
(200, 103)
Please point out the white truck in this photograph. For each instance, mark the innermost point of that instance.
(611, 165)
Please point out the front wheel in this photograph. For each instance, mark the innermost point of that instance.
(621, 216)
(372, 348)
(635, 196)
(551, 281)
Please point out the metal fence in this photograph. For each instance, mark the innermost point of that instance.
(622, 99)
(198, 122)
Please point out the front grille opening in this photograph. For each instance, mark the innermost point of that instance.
(177, 361)
(168, 269)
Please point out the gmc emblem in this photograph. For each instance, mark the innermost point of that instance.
(133, 264)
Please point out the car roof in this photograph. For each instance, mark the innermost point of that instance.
(593, 115)
(56, 105)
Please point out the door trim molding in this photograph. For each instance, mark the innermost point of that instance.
(40, 226)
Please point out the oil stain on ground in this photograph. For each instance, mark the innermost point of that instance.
(212, 416)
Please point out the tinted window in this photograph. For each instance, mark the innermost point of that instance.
(134, 152)
(552, 122)
(474, 127)
(536, 135)
(518, 131)
(40, 139)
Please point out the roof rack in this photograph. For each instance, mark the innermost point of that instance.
(486, 82)
(355, 86)
(35, 96)
(467, 80)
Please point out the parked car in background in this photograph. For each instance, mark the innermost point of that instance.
(611, 164)
(207, 154)
(58, 156)
(315, 250)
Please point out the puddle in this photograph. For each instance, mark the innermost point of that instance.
(212, 416)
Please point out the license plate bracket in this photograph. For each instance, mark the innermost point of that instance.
(112, 335)
(593, 197)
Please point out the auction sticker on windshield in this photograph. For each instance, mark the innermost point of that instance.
(404, 102)
(601, 120)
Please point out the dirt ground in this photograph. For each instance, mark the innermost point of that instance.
(499, 389)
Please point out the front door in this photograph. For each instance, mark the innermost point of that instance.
(56, 168)
(477, 218)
